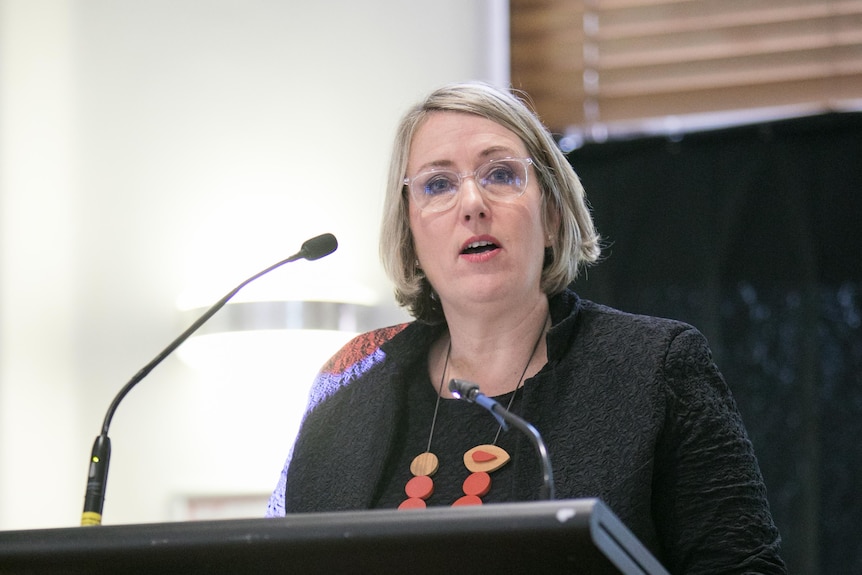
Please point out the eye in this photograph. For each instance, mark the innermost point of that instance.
(500, 175)
(437, 184)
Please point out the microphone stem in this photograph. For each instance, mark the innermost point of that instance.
(97, 475)
(547, 491)
(144, 371)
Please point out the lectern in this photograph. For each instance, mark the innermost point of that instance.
(579, 536)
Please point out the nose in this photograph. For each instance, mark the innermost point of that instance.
(472, 200)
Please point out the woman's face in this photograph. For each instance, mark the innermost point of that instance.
(481, 249)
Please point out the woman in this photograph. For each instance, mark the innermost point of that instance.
(485, 226)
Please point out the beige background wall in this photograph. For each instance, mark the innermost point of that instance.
(167, 148)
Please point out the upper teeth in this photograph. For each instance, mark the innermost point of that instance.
(480, 244)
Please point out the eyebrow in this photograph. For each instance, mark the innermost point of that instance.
(484, 154)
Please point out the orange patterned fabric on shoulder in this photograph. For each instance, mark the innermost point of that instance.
(360, 347)
(354, 359)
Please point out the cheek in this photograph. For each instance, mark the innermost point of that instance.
(534, 221)
(419, 230)
(414, 221)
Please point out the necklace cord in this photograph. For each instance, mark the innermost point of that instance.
(439, 392)
(521, 380)
(511, 399)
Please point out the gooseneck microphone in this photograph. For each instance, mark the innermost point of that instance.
(97, 476)
(469, 391)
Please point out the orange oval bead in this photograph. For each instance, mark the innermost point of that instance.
(467, 500)
(480, 456)
(477, 484)
(412, 503)
(420, 487)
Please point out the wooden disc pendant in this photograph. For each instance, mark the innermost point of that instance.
(480, 461)
(424, 464)
(421, 486)
(487, 458)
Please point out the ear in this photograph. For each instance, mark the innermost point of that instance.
(552, 224)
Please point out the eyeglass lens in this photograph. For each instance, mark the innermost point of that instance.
(435, 190)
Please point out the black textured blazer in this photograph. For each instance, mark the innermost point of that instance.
(632, 409)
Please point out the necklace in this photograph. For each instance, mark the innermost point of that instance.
(480, 460)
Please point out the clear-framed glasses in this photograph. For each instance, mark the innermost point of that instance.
(503, 179)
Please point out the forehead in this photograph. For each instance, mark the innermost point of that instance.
(451, 138)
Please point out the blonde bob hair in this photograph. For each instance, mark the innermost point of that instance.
(575, 242)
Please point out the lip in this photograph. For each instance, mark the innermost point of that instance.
(480, 256)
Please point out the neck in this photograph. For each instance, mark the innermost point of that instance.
(493, 350)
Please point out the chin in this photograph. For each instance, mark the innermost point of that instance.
(495, 292)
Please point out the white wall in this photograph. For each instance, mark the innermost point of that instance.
(155, 149)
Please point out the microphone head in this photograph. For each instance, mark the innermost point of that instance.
(318, 247)
(461, 389)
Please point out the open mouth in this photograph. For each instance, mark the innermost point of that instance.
(479, 247)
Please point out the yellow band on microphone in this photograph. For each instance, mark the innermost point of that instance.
(91, 518)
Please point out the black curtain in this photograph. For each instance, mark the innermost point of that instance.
(752, 234)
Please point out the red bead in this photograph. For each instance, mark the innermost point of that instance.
(420, 487)
(412, 503)
(467, 500)
(477, 484)
(480, 456)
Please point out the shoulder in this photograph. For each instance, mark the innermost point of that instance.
(361, 348)
(359, 359)
(686, 350)
(568, 309)
(609, 317)
(671, 353)
(669, 348)
(618, 330)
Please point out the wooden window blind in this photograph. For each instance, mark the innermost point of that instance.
(599, 62)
